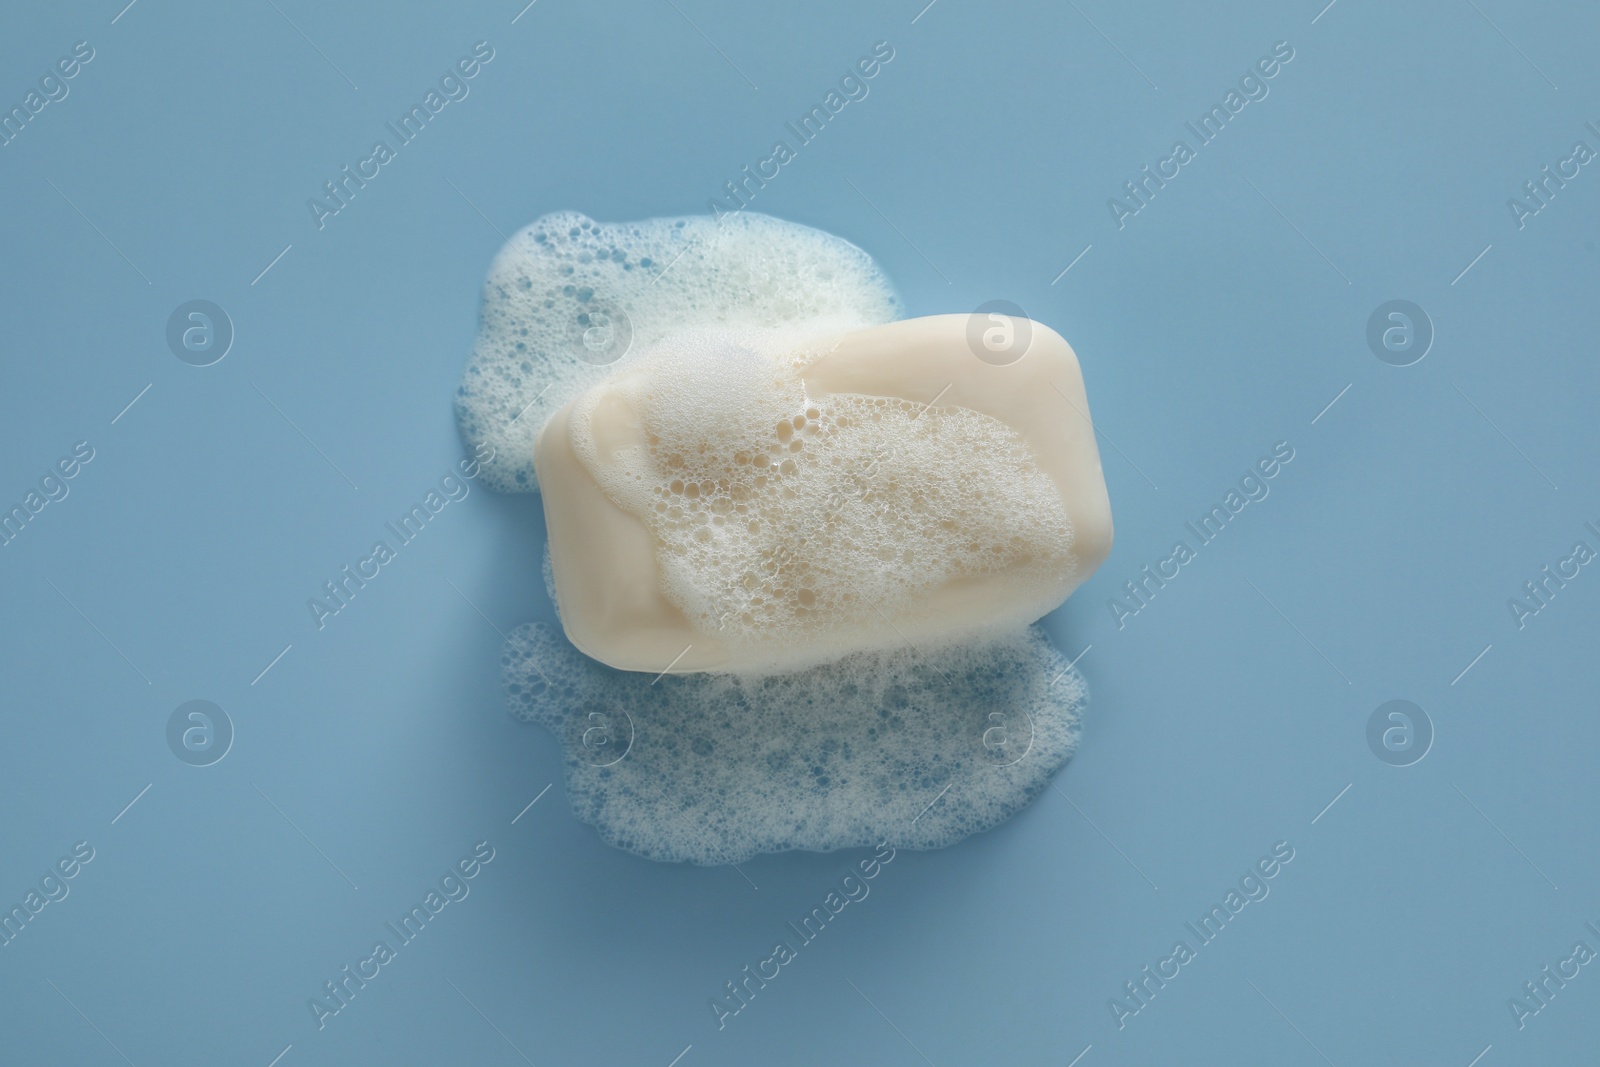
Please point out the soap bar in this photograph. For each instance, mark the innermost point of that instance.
(752, 500)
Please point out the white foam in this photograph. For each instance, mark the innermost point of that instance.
(568, 300)
(916, 745)
(715, 768)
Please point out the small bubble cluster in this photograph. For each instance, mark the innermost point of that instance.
(569, 299)
(895, 746)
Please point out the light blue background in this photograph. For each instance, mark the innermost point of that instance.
(1208, 328)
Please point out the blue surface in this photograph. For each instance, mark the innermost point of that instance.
(1222, 318)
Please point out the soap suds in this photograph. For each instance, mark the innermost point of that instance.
(568, 300)
(715, 768)
(783, 519)
(793, 513)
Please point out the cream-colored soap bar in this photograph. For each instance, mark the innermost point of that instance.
(754, 501)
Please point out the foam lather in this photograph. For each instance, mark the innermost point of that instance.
(715, 768)
(568, 300)
(796, 547)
